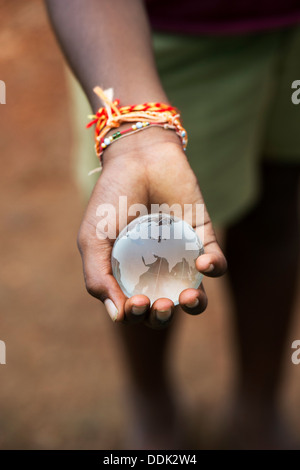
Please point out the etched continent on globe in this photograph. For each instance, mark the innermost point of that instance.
(155, 256)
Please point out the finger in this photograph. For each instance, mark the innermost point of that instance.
(213, 262)
(193, 301)
(161, 314)
(99, 281)
(137, 308)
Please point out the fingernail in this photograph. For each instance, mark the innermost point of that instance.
(111, 309)
(193, 304)
(139, 310)
(209, 269)
(163, 315)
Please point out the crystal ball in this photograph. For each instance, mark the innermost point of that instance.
(155, 256)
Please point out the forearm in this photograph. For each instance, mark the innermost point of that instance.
(108, 43)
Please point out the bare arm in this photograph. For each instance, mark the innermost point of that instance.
(108, 43)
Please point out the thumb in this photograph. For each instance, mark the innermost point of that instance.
(213, 262)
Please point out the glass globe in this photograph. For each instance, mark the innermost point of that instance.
(155, 256)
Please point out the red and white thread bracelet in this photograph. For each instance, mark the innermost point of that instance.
(143, 116)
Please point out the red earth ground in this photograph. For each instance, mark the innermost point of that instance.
(62, 386)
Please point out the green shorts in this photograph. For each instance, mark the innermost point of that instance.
(234, 94)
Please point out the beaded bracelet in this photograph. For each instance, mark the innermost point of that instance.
(106, 141)
(144, 116)
(139, 126)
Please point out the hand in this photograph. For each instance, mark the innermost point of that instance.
(150, 169)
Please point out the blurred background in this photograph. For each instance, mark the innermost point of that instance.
(63, 384)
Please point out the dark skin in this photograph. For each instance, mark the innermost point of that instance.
(98, 57)
(145, 178)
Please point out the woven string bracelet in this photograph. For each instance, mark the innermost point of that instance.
(144, 116)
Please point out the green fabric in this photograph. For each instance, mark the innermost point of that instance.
(234, 94)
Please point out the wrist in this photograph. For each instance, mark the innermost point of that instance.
(142, 144)
(148, 122)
